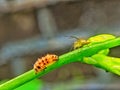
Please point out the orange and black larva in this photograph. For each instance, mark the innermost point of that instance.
(43, 62)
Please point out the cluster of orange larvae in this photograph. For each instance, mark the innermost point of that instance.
(43, 62)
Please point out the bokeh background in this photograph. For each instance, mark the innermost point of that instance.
(32, 28)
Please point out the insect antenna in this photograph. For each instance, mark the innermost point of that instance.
(71, 47)
(73, 37)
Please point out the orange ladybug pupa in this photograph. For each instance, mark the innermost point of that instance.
(43, 62)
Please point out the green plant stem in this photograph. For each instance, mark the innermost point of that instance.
(107, 63)
(76, 55)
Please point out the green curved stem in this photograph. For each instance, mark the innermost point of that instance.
(107, 63)
(76, 55)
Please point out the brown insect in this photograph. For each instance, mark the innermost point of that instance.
(45, 61)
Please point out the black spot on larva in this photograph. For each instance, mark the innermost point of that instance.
(52, 56)
(38, 67)
(36, 70)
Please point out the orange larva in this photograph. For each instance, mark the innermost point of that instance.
(43, 62)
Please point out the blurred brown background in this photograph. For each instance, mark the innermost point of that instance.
(31, 28)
